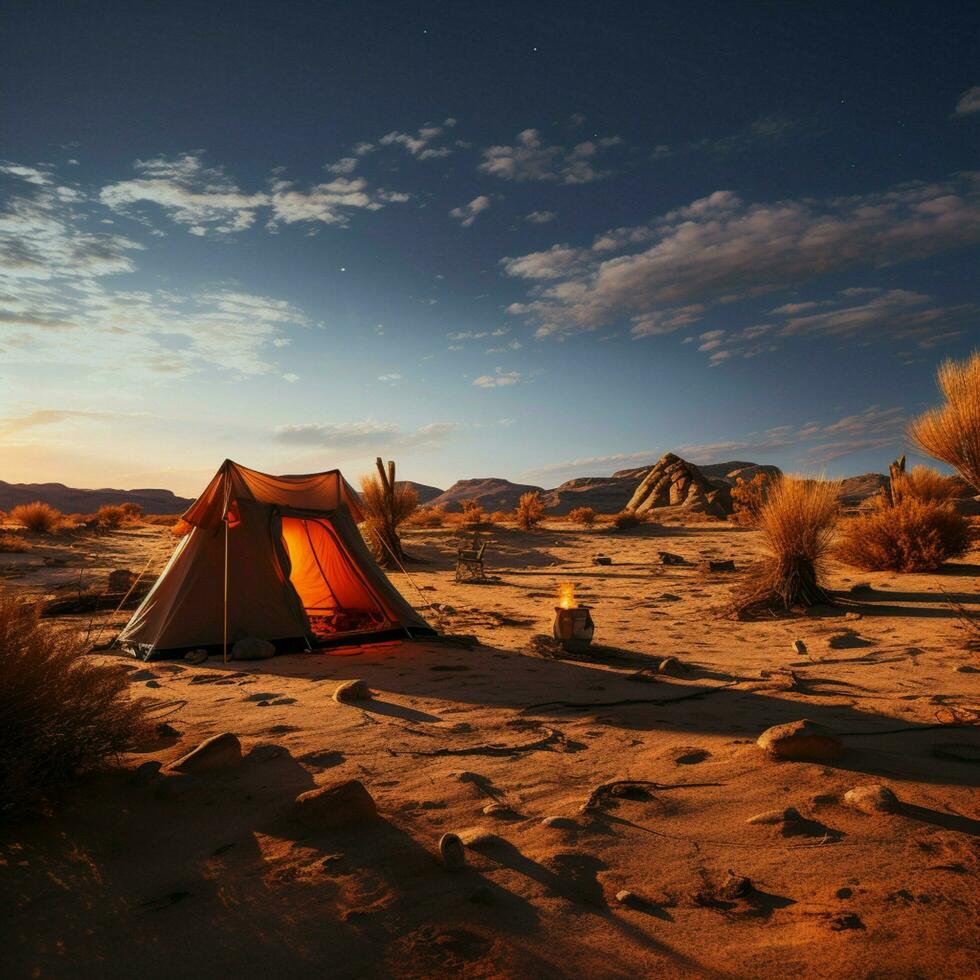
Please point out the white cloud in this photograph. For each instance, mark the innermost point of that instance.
(392, 376)
(420, 144)
(531, 159)
(720, 248)
(205, 199)
(346, 165)
(31, 174)
(541, 217)
(499, 379)
(969, 102)
(468, 213)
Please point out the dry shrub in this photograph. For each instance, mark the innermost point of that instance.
(952, 431)
(39, 517)
(530, 510)
(748, 499)
(502, 516)
(582, 515)
(797, 523)
(384, 514)
(925, 484)
(472, 514)
(427, 517)
(132, 510)
(911, 535)
(111, 516)
(14, 544)
(60, 714)
(627, 519)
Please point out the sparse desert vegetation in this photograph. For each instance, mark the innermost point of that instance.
(60, 714)
(951, 432)
(38, 517)
(13, 543)
(748, 499)
(797, 523)
(387, 506)
(530, 511)
(585, 516)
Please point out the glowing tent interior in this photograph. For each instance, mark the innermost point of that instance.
(274, 557)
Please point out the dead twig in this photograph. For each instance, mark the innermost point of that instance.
(599, 795)
(551, 738)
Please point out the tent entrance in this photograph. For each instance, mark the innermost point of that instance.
(335, 595)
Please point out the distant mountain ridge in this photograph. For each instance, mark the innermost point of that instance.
(72, 500)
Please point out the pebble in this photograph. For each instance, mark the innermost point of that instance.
(452, 852)
(476, 836)
(352, 690)
(788, 815)
(735, 886)
(253, 648)
(222, 751)
(875, 798)
(631, 899)
(334, 805)
(802, 740)
(799, 647)
(196, 656)
(562, 823)
(672, 667)
(499, 810)
(670, 597)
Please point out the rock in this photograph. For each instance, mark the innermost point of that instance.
(353, 690)
(335, 805)
(499, 810)
(121, 580)
(669, 597)
(669, 558)
(871, 799)
(561, 823)
(735, 886)
(452, 852)
(861, 587)
(848, 640)
(219, 752)
(788, 815)
(799, 647)
(847, 920)
(166, 731)
(602, 560)
(146, 772)
(196, 656)
(253, 648)
(726, 565)
(265, 752)
(477, 836)
(804, 740)
(672, 667)
(631, 899)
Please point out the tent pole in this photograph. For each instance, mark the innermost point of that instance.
(225, 636)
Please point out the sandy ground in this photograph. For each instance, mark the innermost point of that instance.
(209, 876)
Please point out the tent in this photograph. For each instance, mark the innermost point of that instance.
(274, 557)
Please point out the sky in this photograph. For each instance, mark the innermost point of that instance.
(533, 241)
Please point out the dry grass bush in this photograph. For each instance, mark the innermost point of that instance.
(748, 499)
(42, 518)
(427, 517)
(797, 523)
(60, 714)
(626, 519)
(472, 515)
(582, 515)
(952, 431)
(14, 544)
(502, 517)
(911, 535)
(925, 484)
(530, 510)
(111, 516)
(384, 514)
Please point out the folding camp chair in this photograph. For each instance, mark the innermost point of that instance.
(469, 559)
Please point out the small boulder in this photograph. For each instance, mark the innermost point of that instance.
(631, 899)
(672, 667)
(196, 656)
(735, 886)
(477, 837)
(352, 690)
(602, 560)
(499, 810)
(788, 815)
(722, 565)
(253, 648)
(668, 558)
(452, 853)
(219, 752)
(804, 741)
(335, 805)
(121, 580)
(799, 647)
(871, 799)
(561, 823)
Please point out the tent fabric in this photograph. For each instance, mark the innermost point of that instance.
(313, 491)
(285, 564)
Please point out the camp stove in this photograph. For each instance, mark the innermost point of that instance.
(573, 627)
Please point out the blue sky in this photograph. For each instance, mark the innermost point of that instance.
(532, 241)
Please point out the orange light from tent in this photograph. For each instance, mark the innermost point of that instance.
(233, 516)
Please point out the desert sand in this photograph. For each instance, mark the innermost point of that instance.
(150, 874)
